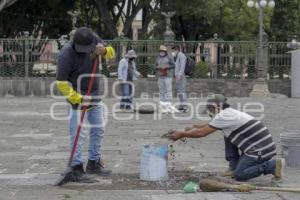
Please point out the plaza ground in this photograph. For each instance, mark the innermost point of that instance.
(34, 151)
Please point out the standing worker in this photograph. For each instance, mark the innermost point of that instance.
(180, 79)
(127, 73)
(242, 133)
(164, 67)
(75, 64)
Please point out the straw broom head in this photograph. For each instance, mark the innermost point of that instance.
(209, 185)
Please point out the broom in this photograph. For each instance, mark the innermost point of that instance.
(209, 185)
(66, 175)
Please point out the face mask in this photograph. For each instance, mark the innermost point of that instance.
(162, 54)
(173, 54)
(211, 114)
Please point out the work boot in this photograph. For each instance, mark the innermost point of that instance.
(95, 167)
(280, 165)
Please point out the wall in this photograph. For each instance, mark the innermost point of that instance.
(196, 87)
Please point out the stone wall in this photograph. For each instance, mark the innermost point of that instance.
(196, 87)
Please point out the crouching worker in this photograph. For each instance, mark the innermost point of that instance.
(243, 133)
(75, 66)
(127, 73)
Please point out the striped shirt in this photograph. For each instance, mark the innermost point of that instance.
(249, 135)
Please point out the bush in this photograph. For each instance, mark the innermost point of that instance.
(202, 70)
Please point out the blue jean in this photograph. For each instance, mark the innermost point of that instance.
(92, 124)
(165, 89)
(246, 167)
(181, 90)
(126, 91)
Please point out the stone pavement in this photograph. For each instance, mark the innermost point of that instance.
(34, 151)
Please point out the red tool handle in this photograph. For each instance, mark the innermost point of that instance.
(84, 108)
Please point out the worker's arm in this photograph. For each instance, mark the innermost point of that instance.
(109, 52)
(65, 65)
(194, 133)
(66, 90)
(195, 126)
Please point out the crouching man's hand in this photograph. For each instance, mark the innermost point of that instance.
(188, 128)
(176, 135)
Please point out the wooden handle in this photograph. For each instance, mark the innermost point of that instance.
(279, 189)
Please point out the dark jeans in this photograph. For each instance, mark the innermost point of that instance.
(246, 167)
(126, 91)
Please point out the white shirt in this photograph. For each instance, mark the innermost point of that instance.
(229, 120)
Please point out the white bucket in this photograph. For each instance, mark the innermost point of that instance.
(290, 143)
(154, 163)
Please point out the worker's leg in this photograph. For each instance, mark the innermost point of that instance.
(73, 126)
(130, 96)
(126, 95)
(181, 92)
(96, 120)
(249, 167)
(169, 92)
(162, 89)
(231, 154)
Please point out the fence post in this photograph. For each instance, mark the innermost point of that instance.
(26, 49)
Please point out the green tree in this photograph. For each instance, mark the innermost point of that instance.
(196, 19)
(231, 19)
(285, 23)
(48, 17)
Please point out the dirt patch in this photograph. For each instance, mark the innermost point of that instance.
(176, 181)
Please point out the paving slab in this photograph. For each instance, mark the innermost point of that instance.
(34, 149)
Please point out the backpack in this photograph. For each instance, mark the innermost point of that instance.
(189, 66)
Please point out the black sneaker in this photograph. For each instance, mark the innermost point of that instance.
(122, 107)
(95, 167)
(180, 108)
(76, 174)
(183, 108)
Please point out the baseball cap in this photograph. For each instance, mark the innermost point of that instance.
(84, 40)
(218, 99)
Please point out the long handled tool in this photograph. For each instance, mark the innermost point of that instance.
(66, 175)
(209, 185)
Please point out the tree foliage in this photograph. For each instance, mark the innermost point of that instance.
(194, 19)
(48, 17)
(285, 23)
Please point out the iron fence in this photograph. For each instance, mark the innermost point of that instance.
(214, 59)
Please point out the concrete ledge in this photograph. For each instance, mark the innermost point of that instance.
(195, 87)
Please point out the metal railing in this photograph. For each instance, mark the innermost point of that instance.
(214, 59)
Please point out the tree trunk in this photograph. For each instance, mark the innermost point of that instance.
(106, 17)
(6, 3)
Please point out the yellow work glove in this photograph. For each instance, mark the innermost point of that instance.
(110, 53)
(66, 90)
